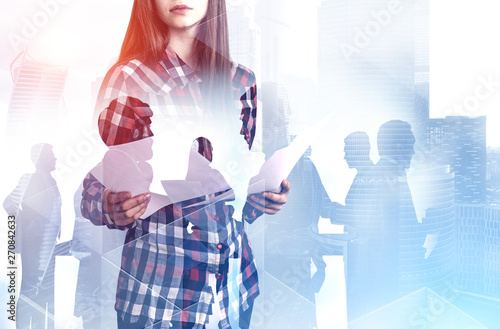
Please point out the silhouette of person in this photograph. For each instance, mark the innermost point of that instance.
(352, 215)
(290, 237)
(36, 203)
(211, 181)
(291, 246)
(388, 204)
(199, 169)
(357, 156)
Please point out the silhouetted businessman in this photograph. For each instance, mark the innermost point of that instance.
(389, 200)
(357, 156)
(36, 203)
(356, 211)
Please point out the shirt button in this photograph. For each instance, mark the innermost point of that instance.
(219, 246)
(217, 276)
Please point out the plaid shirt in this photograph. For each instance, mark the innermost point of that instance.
(165, 269)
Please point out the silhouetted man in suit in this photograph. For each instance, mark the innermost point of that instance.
(390, 202)
(36, 203)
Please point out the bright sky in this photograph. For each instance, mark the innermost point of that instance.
(87, 34)
(464, 61)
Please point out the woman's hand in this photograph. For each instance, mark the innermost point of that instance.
(122, 208)
(268, 202)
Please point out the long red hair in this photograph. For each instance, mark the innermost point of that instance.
(147, 38)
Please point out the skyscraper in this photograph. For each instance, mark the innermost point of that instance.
(470, 247)
(271, 18)
(428, 247)
(36, 104)
(244, 35)
(461, 143)
(493, 177)
(366, 60)
(492, 251)
(421, 67)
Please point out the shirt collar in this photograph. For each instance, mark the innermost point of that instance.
(178, 71)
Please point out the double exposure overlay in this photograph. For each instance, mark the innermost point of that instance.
(249, 164)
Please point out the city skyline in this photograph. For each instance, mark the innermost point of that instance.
(67, 38)
(387, 79)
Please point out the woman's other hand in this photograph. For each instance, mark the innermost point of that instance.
(122, 208)
(268, 202)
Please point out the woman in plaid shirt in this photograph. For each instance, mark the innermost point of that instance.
(174, 63)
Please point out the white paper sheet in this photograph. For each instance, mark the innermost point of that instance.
(281, 163)
(181, 190)
(121, 171)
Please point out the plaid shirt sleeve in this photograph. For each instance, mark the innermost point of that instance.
(247, 93)
(126, 119)
(118, 112)
(248, 103)
(91, 205)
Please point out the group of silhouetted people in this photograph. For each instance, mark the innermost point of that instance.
(378, 201)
